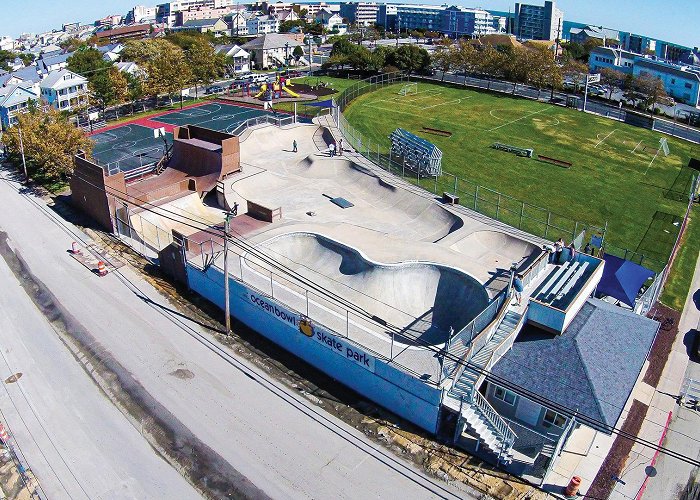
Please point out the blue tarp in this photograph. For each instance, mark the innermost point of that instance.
(328, 103)
(622, 279)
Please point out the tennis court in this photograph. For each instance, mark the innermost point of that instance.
(127, 148)
(215, 116)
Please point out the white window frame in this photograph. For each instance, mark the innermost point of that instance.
(504, 395)
(547, 423)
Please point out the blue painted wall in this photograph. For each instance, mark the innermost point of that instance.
(387, 385)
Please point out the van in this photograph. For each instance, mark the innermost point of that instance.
(666, 101)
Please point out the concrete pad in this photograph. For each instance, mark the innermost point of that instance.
(643, 393)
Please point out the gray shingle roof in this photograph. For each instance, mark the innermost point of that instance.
(592, 367)
(271, 41)
(201, 23)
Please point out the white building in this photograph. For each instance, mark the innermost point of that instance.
(7, 43)
(167, 12)
(239, 58)
(360, 13)
(141, 13)
(271, 50)
(64, 90)
(238, 22)
(261, 25)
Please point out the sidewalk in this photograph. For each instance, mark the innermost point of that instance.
(670, 473)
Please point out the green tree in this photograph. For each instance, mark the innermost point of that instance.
(166, 68)
(298, 52)
(205, 64)
(410, 59)
(443, 59)
(464, 56)
(652, 88)
(88, 62)
(611, 79)
(50, 143)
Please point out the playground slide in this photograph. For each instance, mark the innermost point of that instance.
(291, 93)
(263, 88)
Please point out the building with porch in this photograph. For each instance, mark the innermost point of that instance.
(14, 99)
(64, 90)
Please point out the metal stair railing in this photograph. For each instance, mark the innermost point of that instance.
(500, 426)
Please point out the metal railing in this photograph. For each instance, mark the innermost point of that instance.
(279, 121)
(489, 412)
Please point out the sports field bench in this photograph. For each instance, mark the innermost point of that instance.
(527, 153)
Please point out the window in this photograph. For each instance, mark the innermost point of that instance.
(689, 85)
(673, 81)
(553, 418)
(504, 395)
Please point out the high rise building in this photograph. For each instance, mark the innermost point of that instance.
(534, 22)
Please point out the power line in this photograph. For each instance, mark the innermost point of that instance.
(559, 408)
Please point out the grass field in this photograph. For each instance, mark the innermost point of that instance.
(617, 176)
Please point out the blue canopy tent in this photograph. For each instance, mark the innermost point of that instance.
(328, 103)
(622, 279)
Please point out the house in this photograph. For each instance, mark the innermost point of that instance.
(48, 63)
(260, 25)
(14, 99)
(216, 26)
(27, 77)
(271, 50)
(111, 52)
(16, 64)
(287, 15)
(608, 37)
(124, 33)
(130, 68)
(238, 22)
(64, 90)
(239, 57)
(328, 19)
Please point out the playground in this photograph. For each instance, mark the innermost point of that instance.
(615, 173)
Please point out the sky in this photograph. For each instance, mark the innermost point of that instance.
(670, 20)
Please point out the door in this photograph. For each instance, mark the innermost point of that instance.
(527, 411)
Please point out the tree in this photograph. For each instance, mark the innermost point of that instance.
(611, 79)
(409, 59)
(87, 62)
(50, 143)
(575, 70)
(72, 44)
(205, 64)
(543, 72)
(298, 52)
(464, 57)
(652, 88)
(443, 59)
(167, 70)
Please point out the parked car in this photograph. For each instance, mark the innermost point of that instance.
(214, 89)
(596, 90)
(666, 101)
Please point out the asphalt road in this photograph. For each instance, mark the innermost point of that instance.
(76, 442)
(277, 440)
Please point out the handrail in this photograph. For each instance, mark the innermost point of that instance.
(490, 413)
(496, 355)
(527, 278)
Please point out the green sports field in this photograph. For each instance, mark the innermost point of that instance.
(617, 176)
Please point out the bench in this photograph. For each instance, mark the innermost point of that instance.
(527, 153)
(437, 131)
(554, 161)
(450, 198)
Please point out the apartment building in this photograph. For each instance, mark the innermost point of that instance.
(462, 21)
(535, 22)
(360, 13)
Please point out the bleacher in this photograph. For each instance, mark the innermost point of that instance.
(563, 283)
(527, 153)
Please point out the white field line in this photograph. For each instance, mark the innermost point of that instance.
(603, 139)
(521, 118)
(456, 101)
(635, 148)
(652, 161)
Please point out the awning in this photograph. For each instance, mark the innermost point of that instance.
(328, 103)
(622, 279)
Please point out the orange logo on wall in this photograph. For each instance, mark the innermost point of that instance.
(306, 327)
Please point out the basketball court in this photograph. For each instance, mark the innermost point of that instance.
(215, 116)
(128, 147)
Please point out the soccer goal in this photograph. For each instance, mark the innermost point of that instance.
(663, 144)
(409, 89)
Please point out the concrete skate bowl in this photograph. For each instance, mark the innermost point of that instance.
(422, 299)
(497, 250)
(408, 213)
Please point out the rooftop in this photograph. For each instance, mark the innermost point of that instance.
(271, 41)
(592, 367)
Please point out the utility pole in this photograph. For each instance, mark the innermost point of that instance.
(21, 148)
(398, 29)
(227, 225)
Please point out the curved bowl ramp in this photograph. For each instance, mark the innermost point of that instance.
(497, 248)
(422, 298)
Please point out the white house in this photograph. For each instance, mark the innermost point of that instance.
(238, 22)
(55, 62)
(64, 90)
(260, 25)
(329, 20)
(271, 50)
(239, 57)
(130, 68)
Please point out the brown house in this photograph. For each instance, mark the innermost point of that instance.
(124, 33)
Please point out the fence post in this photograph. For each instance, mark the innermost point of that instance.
(546, 228)
(522, 213)
(455, 185)
(498, 206)
(436, 179)
(391, 351)
(476, 197)
(575, 231)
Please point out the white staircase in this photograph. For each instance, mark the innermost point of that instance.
(477, 414)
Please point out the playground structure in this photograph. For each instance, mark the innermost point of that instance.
(268, 91)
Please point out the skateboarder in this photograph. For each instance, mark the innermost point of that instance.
(294, 146)
(234, 210)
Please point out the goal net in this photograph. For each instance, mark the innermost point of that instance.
(663, 143)
(409, 89)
